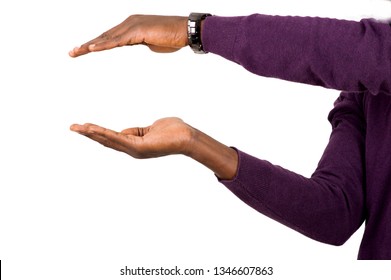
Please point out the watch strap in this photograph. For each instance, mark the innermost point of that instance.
(194, 31)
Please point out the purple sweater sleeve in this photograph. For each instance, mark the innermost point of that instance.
(338, 54)
(329, 206)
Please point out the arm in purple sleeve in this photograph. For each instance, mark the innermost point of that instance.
(329, 206)
(338, 54)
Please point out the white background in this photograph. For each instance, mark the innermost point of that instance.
(72, 209)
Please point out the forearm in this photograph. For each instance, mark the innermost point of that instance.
(338, 54)
(327, 207)
(307, 205)
(219, 158)
(321, 207)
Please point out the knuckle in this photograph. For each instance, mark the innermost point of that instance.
(105, 35)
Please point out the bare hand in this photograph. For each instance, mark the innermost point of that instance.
(159, 33)
(164, 137)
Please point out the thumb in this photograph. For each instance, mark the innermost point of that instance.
(136, 131)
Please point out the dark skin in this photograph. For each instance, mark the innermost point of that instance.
(161, 34)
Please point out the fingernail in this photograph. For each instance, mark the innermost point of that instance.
(73, 51)
(91, 47)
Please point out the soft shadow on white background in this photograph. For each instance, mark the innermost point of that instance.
(72, 209)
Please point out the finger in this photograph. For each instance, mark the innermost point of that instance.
(80, 128)
(110, 43)
(129, 144)
(75, 127)
(92, 129)
(111, 35)
(81, 50)
(88, 46)
(88, 130)
(97, 45)
(106, 142)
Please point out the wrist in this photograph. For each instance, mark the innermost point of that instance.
(219, 158)
(190, 142)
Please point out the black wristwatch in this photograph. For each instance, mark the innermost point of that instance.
(194, 31)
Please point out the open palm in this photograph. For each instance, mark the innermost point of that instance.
(164, 137)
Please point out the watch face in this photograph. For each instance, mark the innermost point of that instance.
(191, 26)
